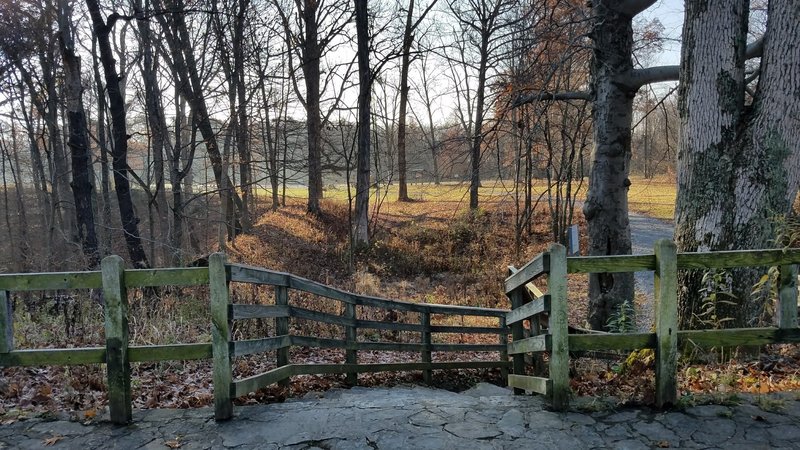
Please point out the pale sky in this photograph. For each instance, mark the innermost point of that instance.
(670, 13)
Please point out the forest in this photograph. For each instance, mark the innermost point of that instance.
(407, 148)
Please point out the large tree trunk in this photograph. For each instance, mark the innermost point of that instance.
(606, 207)
(130, 223)
(361, 234)
(737, 167)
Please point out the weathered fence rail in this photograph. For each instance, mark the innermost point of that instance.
(544, 312)
(529, 304)
(224, 313)
(117, 354)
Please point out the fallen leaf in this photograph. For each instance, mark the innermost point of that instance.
(662, 444)
(174, 443)
(52, 440)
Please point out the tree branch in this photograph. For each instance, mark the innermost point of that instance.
(755, 49)
(539, 96)
(633, 7)
(640, 77)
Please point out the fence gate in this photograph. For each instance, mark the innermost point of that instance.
(547, 313)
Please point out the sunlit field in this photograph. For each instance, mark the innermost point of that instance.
(654, 197)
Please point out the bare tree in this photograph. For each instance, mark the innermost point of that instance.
(484, 27)
(116, 104)
(361, 234)
(78, 143)
(411, 27)
(310, 31)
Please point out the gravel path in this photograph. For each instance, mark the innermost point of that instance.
(485, 417)
(645, 231)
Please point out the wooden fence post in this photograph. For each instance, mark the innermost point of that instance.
(116, 327)
(787, 297)
(425, 320)
(6, 323)
(220, 336)
(351, 354)
(517, 334)
(559, 331)
(282, 329)
(666, 299)
(504, 353)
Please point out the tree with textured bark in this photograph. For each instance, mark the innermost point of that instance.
(739, 152)
(613, 84)
(78, 143)
(361, 234)
(116, 104)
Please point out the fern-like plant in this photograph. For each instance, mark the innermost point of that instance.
(717, 290)
(622, 319)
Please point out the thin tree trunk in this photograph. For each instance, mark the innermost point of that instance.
(311, 71)
(22, 256)
(60, 171)
(158, 128)
(183, 59)
(130, 223)
(82, 188)
(361, 235)
(401, 124)
(477, 137)
(243, 122)
(102, 143)
(39, 175)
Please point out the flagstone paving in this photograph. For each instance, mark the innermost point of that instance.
(413, 417)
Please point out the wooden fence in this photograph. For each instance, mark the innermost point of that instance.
(224, 313)
(117, 354)
(528, 303)
(114, 280)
